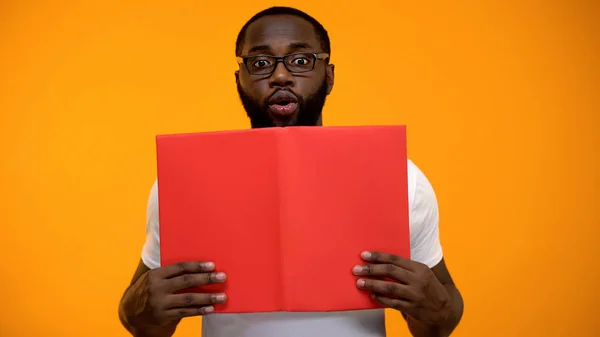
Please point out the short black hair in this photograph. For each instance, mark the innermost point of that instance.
(282, 10)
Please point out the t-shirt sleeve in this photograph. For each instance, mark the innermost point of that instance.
(151, 249)
(425, 239)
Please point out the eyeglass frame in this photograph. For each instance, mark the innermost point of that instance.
(242, 60)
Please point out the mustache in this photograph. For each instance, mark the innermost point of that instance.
(298, 97)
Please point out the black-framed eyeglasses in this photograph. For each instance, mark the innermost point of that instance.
(295, 63)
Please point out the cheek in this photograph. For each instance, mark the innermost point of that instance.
(256, 89)
(309, 85)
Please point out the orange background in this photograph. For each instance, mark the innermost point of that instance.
(501, 100)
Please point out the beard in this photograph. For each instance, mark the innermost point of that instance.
(309, 109)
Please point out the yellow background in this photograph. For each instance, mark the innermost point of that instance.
(501, 100)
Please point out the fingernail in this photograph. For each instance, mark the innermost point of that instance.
(221, 297)
(360, 283)
(357, 269)
(366, 255)
(209, 309)
(208, 265)
(220, 276)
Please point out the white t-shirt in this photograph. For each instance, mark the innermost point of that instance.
(425, 248)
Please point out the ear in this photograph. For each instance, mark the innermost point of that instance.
(330, 77)
(237, 77)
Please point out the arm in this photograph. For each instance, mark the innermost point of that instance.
(421, 288)
(427, 249)
(150, 260)
(128, 311)
(141, 270)
(153, 304)
(445, 327)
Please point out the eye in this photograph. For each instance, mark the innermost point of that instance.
(300, 61)
(261, 63)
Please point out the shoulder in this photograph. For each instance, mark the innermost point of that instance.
(424, 217)
(151, 249)
(153, 198)
(152, 208)
(421, 194)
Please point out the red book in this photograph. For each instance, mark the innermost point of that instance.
(284, 212)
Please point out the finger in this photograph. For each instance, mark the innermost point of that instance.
(399, 304)
(194, 300)
(178, 313)
(384, 270)
(182, 268)
(396, 260)
(390, 289)
(194, 280)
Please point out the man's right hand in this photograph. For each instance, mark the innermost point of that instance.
(153, 300)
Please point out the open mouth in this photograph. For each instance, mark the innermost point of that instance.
(283, 103)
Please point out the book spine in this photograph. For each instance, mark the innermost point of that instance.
(281, 138)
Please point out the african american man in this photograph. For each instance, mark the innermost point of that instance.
(283, 79)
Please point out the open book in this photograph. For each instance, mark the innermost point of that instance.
(284, 212)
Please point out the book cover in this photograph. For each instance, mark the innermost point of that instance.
(285, 212)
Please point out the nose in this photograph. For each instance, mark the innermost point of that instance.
(281, 77)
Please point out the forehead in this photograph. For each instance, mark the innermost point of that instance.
(279, 33)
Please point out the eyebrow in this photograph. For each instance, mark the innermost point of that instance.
(267, 48)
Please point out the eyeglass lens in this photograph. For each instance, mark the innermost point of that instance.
(297, 63)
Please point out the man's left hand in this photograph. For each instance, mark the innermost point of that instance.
(405, 285)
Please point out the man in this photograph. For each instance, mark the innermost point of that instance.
(283, 79)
